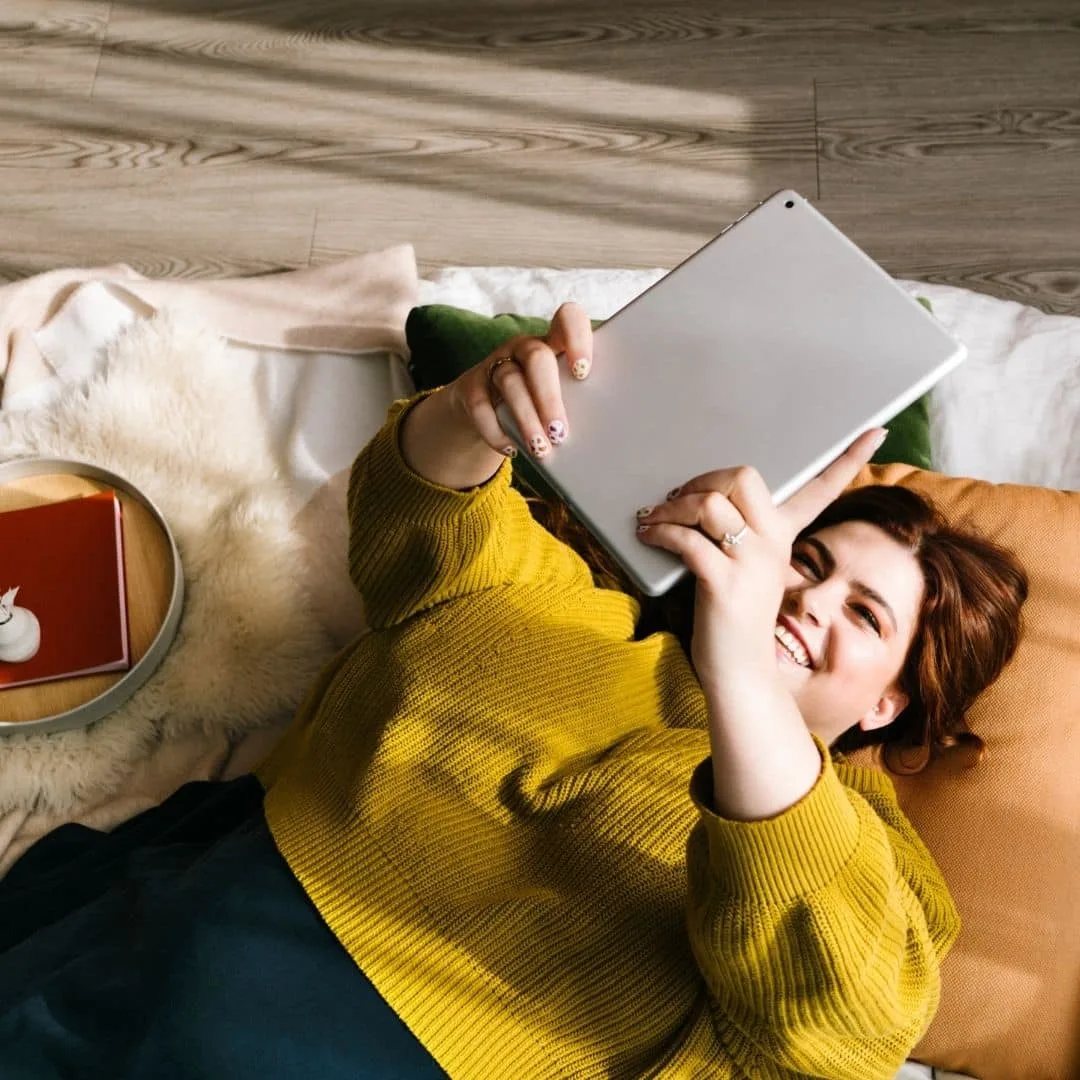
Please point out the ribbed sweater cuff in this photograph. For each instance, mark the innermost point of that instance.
(781, 858)
(416, 499)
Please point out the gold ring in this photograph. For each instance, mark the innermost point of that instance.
(492, 368)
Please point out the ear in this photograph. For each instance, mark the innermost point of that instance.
(889, 706)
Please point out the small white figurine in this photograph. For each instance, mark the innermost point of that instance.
(20, 632)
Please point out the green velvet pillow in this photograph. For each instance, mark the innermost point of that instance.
(446, 341)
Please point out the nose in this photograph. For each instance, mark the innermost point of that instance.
(806, 608)
(814, 602)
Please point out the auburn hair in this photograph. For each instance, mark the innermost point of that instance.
(968, 627)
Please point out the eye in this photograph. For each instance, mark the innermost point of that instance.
(803, 559)
(866, 614)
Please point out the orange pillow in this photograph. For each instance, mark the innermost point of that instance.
(1006, 833)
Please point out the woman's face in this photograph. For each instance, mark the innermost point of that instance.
(853, 597)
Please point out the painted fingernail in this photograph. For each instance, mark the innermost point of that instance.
(556, 431)
(673, 493)
(642, 529)
(510, 451)
(539, 446)
(645, 511)
(580, 368)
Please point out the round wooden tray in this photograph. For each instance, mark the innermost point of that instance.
(148, 568)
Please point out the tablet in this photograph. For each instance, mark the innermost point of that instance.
(776, 345)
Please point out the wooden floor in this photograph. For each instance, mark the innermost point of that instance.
(213, 137)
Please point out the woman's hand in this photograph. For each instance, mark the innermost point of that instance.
(738, 545)
(740, 586)
(453, 437)
(524, 371)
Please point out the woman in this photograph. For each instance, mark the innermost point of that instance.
(514, 833)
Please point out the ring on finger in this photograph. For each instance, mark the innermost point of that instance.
(734, 539)
(493, 367)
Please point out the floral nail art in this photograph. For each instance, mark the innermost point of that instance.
(510, 451)
(645, 511)
(556, 431)
(539, 446)
(580, 368)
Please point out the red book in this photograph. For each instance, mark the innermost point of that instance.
(66, 559)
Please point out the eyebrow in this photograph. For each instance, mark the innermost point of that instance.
(860, 587)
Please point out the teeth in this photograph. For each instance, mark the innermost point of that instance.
(792, 644)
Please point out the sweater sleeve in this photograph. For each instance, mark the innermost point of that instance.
(414, 544)
(819, 932)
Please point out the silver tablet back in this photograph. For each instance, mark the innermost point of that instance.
(775, 345)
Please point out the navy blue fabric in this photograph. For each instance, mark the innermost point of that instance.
(186, 950)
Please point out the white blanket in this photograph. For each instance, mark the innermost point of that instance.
(1009, 414)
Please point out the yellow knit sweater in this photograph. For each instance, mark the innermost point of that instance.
(499, 802)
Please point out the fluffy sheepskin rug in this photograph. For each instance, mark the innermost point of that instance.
(168, 413)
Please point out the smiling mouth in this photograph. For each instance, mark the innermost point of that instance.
(789, 648)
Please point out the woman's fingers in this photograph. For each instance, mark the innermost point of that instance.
(722, 501)
(742, 490)
(511, 384)
(710, 512)
(541, 369)
(571, 334)
(699, 553)
(529, 384)
(524, 372)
